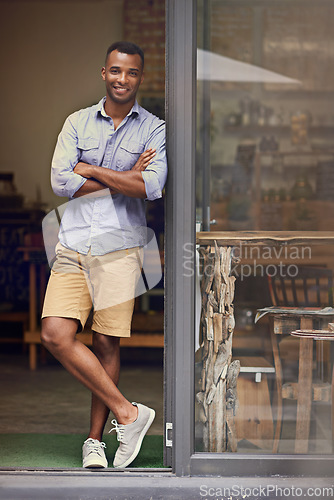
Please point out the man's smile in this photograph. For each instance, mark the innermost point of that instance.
(120, 90)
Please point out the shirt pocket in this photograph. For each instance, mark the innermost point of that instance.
(128, 154)
(88, 148)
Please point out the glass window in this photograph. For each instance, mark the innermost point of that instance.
(265, 162)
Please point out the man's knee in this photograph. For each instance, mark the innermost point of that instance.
(105, 345)
(56, 333)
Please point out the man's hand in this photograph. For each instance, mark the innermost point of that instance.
(83, 169)
(144, 159)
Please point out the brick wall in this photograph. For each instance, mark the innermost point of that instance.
(144, 24)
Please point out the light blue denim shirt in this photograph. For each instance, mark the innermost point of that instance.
(101, 221)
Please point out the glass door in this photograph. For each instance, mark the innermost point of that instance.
(264, 162)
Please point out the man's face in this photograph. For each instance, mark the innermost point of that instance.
(122, 74)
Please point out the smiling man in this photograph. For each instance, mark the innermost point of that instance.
(109, 158)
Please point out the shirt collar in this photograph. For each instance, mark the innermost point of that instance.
(100, 108)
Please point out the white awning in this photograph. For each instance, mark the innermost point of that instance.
(214, 67)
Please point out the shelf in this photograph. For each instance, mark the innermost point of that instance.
(301, 152)
(277, 129)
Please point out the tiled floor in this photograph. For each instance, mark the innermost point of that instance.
(50, 400)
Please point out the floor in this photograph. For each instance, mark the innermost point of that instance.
(50, 400)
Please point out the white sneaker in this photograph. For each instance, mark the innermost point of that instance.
(132, 435)
(93, 454)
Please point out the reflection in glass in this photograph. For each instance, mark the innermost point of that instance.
(265, 162)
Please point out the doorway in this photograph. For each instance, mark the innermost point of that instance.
(48, 402)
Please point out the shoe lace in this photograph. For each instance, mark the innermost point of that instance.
(95, 445)
(119, 428)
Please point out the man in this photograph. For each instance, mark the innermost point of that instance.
(109, 158)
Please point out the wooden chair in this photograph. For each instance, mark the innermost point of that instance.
(310, 288)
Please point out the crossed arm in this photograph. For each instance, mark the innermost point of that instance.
(129, 183)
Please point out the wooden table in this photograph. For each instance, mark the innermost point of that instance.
(217, 397)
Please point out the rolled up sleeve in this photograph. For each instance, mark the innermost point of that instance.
(64, 181)
(155, 174)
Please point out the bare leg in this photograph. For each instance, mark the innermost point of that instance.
(106, 349)
(58, 336)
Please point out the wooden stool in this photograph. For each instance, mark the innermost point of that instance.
(254, 418)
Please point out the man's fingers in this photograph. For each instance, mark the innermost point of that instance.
(148, 160)
(144, 159)
(148, 152)
(146, 163)
(151, 155)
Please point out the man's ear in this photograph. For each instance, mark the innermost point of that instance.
(142, 78)
(103, 73)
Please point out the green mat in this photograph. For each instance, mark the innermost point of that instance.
(64, 450)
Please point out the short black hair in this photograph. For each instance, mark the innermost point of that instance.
(126, 48)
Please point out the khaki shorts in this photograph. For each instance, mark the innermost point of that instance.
(106, 283)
